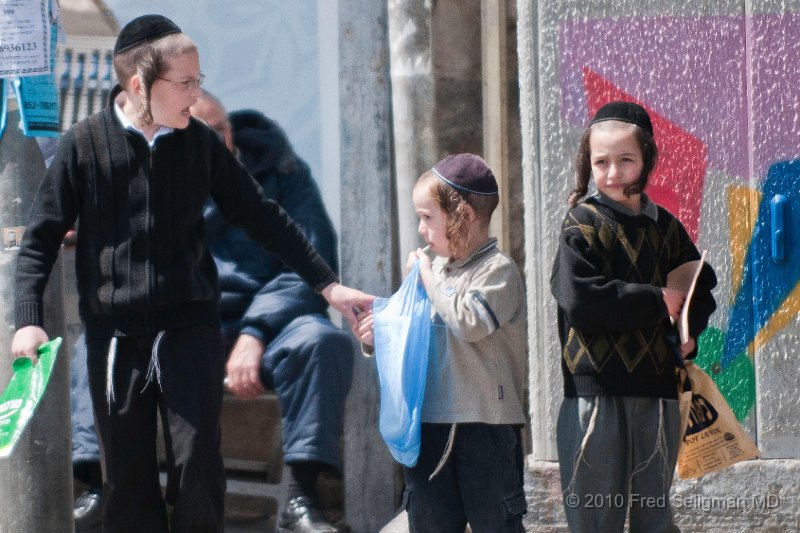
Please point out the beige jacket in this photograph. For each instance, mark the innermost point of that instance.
(476, 373)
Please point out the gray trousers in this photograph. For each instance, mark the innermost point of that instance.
(617, 456)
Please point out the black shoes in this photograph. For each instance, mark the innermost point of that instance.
(88, 510)
(301, 515)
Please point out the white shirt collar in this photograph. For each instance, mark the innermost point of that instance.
(127, 124)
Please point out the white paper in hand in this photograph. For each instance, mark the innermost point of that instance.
(684, 279)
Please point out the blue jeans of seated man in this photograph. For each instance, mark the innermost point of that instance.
(480, 484)
(84, 436)
(309, 365)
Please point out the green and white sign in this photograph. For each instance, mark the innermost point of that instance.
(22, 395)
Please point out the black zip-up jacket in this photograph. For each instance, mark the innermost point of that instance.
(142, 263)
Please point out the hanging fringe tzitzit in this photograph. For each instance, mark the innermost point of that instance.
(584, 442)
(449, 448)
(154, 368)
(660, 449)
(111, 358)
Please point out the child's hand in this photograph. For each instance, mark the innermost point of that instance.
(347, 301)
(674, 301)
(365, 324)
(424, 260)
(26, 342)
(687, 347)
(412, 257)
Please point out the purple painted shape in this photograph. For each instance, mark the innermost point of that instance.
(690, 70)
(776, 90)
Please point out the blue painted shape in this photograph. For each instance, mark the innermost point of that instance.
(779, 205)
(767, 283)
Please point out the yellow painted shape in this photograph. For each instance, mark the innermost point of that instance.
(742, 212)
(779, 320)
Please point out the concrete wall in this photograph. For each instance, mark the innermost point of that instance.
(720, 81)
(457, 62)
(369, 245)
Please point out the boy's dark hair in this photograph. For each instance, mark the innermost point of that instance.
(583, 163)
(148, 60)
(453, 203)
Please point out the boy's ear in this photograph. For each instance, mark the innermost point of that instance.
(470, 213)
(135, 84)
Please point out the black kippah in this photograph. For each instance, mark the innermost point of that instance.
(624, 112)
(143, 29)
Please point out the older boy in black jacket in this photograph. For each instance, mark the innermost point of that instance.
(135, 176)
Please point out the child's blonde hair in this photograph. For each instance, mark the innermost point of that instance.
(454, 204)
(149, 61)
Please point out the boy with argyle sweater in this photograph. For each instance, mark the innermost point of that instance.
(620, 412)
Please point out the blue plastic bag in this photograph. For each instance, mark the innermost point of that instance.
(402, 333)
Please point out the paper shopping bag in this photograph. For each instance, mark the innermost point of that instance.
(713, 438)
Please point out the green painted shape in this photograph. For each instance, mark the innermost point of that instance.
(737, 383)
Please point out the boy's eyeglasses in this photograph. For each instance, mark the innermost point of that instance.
(194, 83)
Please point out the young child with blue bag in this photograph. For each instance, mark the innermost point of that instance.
(470, 464)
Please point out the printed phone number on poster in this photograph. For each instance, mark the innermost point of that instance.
(18, 47)
(48, 106)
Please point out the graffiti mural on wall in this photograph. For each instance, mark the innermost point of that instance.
(691, 73)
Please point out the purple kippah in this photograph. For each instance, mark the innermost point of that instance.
(143, 29)
(466, 172)
(624, 112)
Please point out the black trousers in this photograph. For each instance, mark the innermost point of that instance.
(481, 483)
(189, 400)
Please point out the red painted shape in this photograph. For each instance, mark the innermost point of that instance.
(677, 181)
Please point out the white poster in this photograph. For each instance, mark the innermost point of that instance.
(24, 38)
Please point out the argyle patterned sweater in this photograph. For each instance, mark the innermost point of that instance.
(612, 320)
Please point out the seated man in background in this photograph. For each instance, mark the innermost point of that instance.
(87, 509)
(275, 328)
